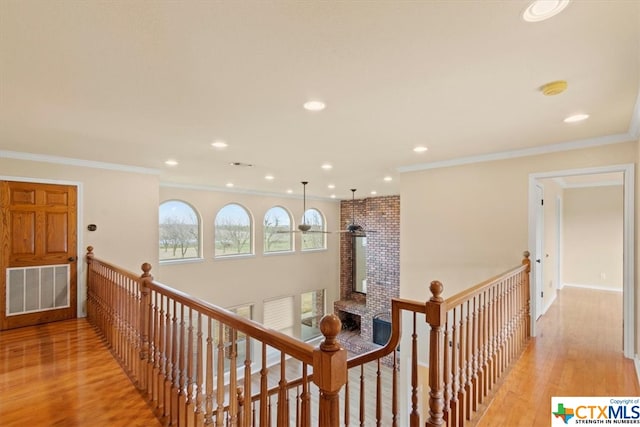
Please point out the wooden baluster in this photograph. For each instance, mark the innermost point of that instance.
(454, 374)
(145, 321)
(167, 367)
(527, 297)
(220, 376)
(283, 395)
(414, 416)
(435, 316)
(233, 376)
(247, 380)
(182, 390)
(329, 370)
(305, 405)
(175, 376)
(157, 350)
(394, 387)
(473, 353)
(264, 402)
(378, 395)
(362, 414)
(347, 404)
(449, 367)
(190, 386)
(199, 414)
(464, 396)
(209, 375)
(240, 403)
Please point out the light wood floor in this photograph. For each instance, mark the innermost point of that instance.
(48, 374)
(61, 374)
(578, 352)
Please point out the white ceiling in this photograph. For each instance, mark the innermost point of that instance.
(138, 82)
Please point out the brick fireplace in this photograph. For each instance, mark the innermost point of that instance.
(381, 214)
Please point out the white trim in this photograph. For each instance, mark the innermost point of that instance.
(533, 151)
(17, 155)
(592, 286)
(634, 126)
(234, 190)
(628, 259)
(550, 303)
(636, 361)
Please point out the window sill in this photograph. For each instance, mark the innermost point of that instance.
(181, 261)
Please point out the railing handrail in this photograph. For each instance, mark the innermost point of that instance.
(298, 349)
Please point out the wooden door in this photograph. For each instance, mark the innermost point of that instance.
(38, 264)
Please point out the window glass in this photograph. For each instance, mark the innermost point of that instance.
(179, 231)
(277, 230)
(315, 238)
(312, 309)
(233, 231)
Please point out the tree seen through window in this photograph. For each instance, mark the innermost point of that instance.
(179, 231)
(233, 231)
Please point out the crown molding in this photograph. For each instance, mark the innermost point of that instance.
(212, 188)
(526, 152)
(17, 155)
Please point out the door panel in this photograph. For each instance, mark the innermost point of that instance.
(38, 225)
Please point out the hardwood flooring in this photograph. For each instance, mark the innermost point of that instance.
(61, 374)
(578, 352)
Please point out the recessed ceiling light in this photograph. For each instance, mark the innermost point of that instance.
(269, 177)
(539, 10)
(374, 192)
(420, 149)
(314, 105)
(331, 186)
(388, 178)
(326, 166)
(219, 144)
(171, 162)
(289, 191)
(576, 118)
(333, 196)
(229, 184)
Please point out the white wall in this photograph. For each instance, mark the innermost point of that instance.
(461, 224)
(593, 233)
(233, 281)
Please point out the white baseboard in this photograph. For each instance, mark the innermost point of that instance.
(546, 307)
(594, 287)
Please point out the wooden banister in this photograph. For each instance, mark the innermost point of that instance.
(195, 362)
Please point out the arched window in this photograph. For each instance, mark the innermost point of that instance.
(179, 231)
(315, 238)
(277, 230)
(233, 231)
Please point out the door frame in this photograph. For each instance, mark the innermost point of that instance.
(538, 267)
(628, 258)
(81, 275)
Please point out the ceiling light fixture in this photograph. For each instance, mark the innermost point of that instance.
(289, 191)
(420, 149)
(326, 166)
(576, 118)
(540, 10)
(331, 186)
(229, 184)
(314, 105)
(374, 192)
(171, 162)
(269, 177)
(333, 196)
(388, 178)
(219, 144)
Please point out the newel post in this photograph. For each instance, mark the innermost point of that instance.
(329, 370)
(90, 286)
(145, 311)
(527, 289)
(436, 315)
